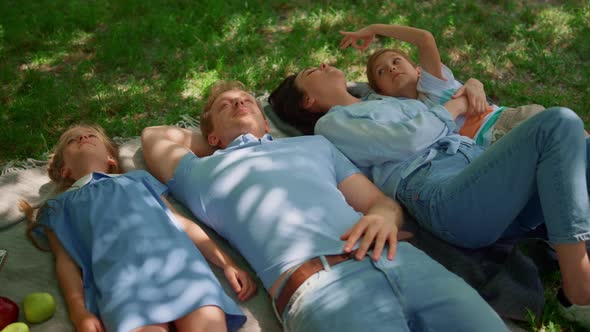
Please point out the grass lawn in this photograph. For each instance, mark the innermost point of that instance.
(129, 64)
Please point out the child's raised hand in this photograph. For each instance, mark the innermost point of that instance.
(366, 35)
(241, 281)
(476, 96)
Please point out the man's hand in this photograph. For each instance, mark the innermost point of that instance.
(476, 96)
(241, 281)
(365, 35)
(373, 230)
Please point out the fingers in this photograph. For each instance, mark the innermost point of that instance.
(379, 245)
(250, 290)
(352, 235)
(352, 38)
(233, 279)
(362, 47)
(459, 93)
(346, 40)
(376, 232)
(368, 238)
(477, 104)
(248, 286)
(392, 246)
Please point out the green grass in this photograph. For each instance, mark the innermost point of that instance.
(130, 64)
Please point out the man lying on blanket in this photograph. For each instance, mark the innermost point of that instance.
(321, 237)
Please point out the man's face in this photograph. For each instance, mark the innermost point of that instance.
(233, 113)
(395, 76)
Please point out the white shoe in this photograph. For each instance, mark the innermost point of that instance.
(573, 312)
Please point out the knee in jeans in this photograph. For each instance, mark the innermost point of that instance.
(564, 118)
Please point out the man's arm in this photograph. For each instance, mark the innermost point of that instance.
(164, 146)
(380, 223)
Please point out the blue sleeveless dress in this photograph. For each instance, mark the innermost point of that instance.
(138, 266)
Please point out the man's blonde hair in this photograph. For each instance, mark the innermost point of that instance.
(215, 91)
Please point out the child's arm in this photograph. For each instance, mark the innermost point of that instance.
(457, 106)
(70, 281)
(240, 280)
(424, 40)
(476, 96)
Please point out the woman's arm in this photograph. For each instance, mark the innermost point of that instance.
(423, 39)
(368, 142)
(70, 282)
(240, 280)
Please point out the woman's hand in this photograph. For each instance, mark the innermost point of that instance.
(85, 321)
(476, 96)
(366, 35)
(241, 281)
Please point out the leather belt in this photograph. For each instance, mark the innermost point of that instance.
(302, 273)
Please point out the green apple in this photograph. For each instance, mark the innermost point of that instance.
(38, 307)
(16, 327)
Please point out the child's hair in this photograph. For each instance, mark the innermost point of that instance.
(54, 167)
(215, 91)
(287, 102)
(371, 64)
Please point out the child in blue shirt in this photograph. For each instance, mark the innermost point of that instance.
(391, 72)
(125, 258)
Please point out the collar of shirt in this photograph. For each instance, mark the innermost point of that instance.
(376, 96)
(86, 179)
(245, 140)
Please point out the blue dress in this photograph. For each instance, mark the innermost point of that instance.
(138, 266)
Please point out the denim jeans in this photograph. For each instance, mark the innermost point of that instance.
(410, 293)
(536, 174)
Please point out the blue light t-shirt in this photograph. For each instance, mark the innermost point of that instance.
(276, 201)
(138, 266)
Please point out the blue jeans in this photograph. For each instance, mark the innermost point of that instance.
(410, 293)
(536, 174)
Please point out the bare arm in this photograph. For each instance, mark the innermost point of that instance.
(70, 282)
(379, 225)
(164, 146)
(457, 106)
(423, 39)
(240, 280)
(476, 96)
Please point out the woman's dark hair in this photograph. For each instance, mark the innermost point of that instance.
(287, 102)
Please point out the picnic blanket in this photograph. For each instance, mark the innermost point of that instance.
(506, 278)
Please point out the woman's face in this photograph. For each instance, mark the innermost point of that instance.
(395, 76)
(320, 82)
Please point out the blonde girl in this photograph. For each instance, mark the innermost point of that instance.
(125, 259)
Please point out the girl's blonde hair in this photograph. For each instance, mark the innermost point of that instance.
(54, 167)
(371, 64)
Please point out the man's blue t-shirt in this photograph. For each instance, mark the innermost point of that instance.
(276, 201)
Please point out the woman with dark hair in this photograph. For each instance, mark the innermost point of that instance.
(471, 197)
